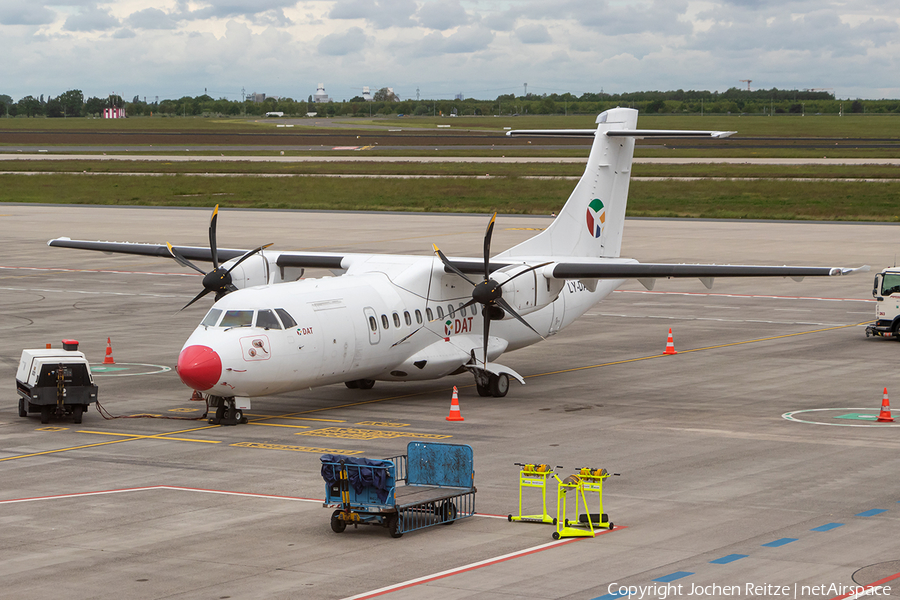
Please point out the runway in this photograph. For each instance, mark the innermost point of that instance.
(717, 487)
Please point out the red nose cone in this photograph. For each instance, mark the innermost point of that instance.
(199, 367)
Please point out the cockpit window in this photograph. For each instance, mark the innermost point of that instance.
(237, 318)
(286, 318)
(267, 320)
(211, 318)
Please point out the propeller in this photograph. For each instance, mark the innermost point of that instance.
(489, 293)
(219, 279)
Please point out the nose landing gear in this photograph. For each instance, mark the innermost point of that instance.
(227, 412)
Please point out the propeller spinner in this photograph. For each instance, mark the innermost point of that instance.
(219, 279)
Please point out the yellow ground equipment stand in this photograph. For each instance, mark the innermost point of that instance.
(586, 480)
(534, 476)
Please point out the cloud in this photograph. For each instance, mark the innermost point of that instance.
(464, 40)
(533, 34)
(24, 12)
(443, 15)
(381, 14)
(91, 18)
(151, 18)
(341, 44)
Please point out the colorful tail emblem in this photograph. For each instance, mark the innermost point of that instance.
(596, 217)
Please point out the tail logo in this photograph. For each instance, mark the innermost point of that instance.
(596, 217)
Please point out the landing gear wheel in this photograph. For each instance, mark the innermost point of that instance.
(352, 384)
(499, 385)
(238, 415)
(338, 525)
(394, 526)
(23, 412)
(46, 411)
(483, 390)
(77, 411)
(365, 384)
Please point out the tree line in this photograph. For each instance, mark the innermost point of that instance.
(733, 101)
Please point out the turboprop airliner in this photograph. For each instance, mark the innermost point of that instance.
(407, 318)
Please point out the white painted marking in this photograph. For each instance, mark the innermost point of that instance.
(790, 417)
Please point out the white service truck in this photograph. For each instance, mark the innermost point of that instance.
(887, 304)
(55, 382)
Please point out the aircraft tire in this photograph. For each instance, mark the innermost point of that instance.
(352, 384)
(483, 390)
(499, 385)
(365, 384)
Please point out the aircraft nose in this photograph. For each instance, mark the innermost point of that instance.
(199, 367)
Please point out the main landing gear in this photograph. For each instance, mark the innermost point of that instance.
(226, 412)
(489, 384)
(360, 384)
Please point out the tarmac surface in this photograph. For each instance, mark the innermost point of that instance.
(717, 487)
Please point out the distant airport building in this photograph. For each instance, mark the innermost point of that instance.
(367, 95)
(257, 98)
(320, 95)
(113, 113)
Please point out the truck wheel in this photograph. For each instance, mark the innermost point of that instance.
(394, 526)
(77, 411)
(45, 413)
(338, 525)
(23, 412)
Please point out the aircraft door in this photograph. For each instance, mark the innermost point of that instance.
(372, 325)
(338, 341)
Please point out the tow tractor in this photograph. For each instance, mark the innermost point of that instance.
(55, 382)
(886, 291)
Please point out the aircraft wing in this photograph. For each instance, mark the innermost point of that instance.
(323, 260)
(563, 270)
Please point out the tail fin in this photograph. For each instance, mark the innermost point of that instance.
(591, 222)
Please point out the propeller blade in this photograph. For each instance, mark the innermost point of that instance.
(450, 265)
(197, 297)
(487, 331)
(212, 237)
(464, 306)
(528, 270)
(489, 232)
(505, 306)
(249, 254)
(182, 260)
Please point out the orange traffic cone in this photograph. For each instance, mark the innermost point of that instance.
(885, 415)
(670, 344)
(454, 407)
(109, 359)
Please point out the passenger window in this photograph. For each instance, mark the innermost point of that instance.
(373, 324)
(287, 319)
(237, 318)
(396, 320)
(212, 317)
(450, 310)
(418, 316)
(474, 308)
(440, 312)
(384, 322)
(407, 318)
(267, 320)
(429, 315)
(462, 309)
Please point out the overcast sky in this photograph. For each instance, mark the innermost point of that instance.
(480, 48)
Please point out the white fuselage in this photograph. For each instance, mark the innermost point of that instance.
(345, 328)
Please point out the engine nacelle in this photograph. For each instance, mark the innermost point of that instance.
(527, 292)
(253, 271)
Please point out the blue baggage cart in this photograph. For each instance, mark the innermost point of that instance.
(432, 484)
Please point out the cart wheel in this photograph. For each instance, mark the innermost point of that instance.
(338, 525)
(509, 518)
(555, 535)
(611, 526)
(449, 512)
(45, 413)
(23, 412)
(554, 521)
(394, 526)
(77, 411)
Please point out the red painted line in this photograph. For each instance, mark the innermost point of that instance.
(864, 592)
(470, 567)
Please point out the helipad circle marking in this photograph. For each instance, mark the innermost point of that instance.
(790, 417)
(97, 371)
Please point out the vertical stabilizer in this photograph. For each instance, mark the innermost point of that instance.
(591, 222)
